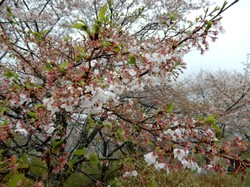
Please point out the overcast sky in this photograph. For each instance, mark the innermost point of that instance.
(231, 48)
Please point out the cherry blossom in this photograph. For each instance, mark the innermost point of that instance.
(20, 129)
(132, 72)
(180, 154)
(222, 30)
(174, 134)
(68, 107)
(23, 98)
(159, 166)
(150, 158)
(49, 103)
(217, 25)
(191, 165)
(133, 173)
(49, 128)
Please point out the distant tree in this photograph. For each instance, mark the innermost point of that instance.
(222, 94)
(67, 71)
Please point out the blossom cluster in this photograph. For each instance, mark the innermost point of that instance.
(150, 159)
(189, 164)
(180, 154)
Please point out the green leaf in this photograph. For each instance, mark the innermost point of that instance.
(216, 8)
(10, 74)
(8, 9)
(110, 3)
(39, 35)
(117, 49)
(24, 161)
(206, 11)
(32, 114)
(216, 127)
(210, 120)
(24, 158)
(3, 110)
(38, 106)
(49, 66)
(63, 66)
(71, 163)
(224, 4)
(169, 108)
(106, 43)
(128, 160)
(82, 52)
(153, 183)
(5, 102)
(80, 152)
(102, 12)
(172, 16)
(93, 159)
(209, 25)
(120, 134)
(81, 26)
(66, 39)
(56, 144)
(80, 49)
(4, 123)
(15, 179)
(97, 26)
(132, 59)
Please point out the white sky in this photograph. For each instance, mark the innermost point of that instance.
(231, 48)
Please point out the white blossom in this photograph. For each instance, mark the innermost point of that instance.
(67, 107)
(167, 170)
(159, 166)
(79, 117)
(23, 99)
(48, 102)
(209, 166)
(222, 30)
(150, 158)
(171, 133)
(115, 88)
(89, 88)
(175, 124)
(159, 139)
(177, 132)
(191, 165)
(180, 154)
(12, 102)
(49, 128)
(132, 72)
(133, 173)
(217, 25)
(21, 130)
(156, 69)
(210, 133)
